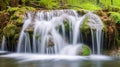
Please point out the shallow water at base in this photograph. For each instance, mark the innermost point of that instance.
(35, 60)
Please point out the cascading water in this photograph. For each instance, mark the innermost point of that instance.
(49, 31)
(46, 36)
(96, 27)
(3, 45)
(24, 41)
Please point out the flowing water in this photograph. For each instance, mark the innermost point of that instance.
(56, 38)
(50, 33)
(3, 45)
(37, 60)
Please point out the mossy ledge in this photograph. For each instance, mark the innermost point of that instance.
(11, 21)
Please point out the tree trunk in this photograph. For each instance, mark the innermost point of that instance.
(111, 2)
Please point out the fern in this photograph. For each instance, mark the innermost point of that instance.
(115, 16)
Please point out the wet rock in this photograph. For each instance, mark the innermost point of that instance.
(85, 51)
(113, 52)
(50, 41)
(78, 49)
(29, 29)
(82, 12)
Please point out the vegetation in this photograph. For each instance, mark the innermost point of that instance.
(86, 50)
(55, 4)
(11, 23)
(115, 16)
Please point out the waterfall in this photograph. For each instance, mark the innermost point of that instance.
(96, 27)
(24, 38)
(50, 33)
(3, 45)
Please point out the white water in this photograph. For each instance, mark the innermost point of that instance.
(22, 57)
(71, 50)
(3, 45)
(96, 27)
(23, 39)
(49, 35)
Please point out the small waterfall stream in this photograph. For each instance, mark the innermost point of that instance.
(3, 45)
(56, 29)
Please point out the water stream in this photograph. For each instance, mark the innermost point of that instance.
(49, 31)
(3, 45)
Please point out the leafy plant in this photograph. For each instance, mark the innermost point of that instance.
(115, 16)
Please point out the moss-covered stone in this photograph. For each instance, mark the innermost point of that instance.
(83, 50)
(82, 12)
(86, 50)
(85, 25)
(10, 30)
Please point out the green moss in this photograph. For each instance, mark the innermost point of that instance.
(66, 25)
(27, 8)
(9, 30)
(37, 36)
(17, 14)
(86, 50)
(11, 10)
(84, 25)
(118, 42)
(48, 4)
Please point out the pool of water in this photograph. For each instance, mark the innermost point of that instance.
(36, 60)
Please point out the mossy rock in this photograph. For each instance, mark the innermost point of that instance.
(10, 30)
(78, 49)
(85, 26)
(17, 14)
(86, 50)
(82, 12)
(83, 50)
(100, 13)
